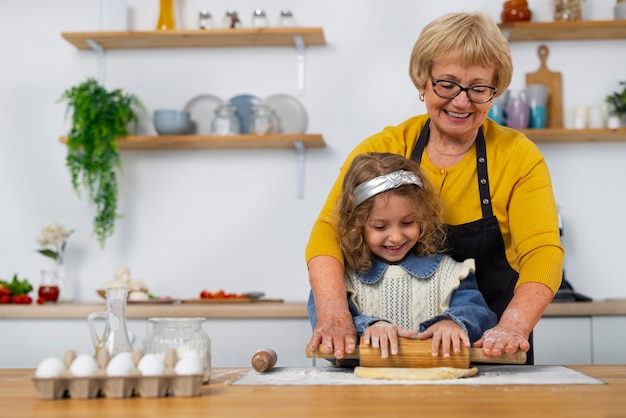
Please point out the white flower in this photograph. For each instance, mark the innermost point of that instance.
(53, 238)
(53, 234)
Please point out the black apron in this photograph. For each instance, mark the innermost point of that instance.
(481, 239)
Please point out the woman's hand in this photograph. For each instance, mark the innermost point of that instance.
(445, 333)
(335, 331)
(500, 339)
(384, 335)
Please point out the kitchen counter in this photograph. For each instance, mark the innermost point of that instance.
(235, 310)
(221, 399)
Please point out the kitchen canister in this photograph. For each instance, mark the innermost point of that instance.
(568, 10)
(181, 334)
(225, 121)
(263, 120)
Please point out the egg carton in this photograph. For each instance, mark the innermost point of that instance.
(99, 384)
(118, 386)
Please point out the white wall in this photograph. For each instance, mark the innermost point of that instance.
(230, 218)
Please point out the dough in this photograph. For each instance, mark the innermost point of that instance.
(402, 373)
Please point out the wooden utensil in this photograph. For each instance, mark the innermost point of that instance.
(418, 353)
(552, 80)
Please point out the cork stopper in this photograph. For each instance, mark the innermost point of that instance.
(264, 360)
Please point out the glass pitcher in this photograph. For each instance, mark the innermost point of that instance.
(115, 336)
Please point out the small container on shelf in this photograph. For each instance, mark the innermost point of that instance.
(49, 286)
(225, 121)
(205, 20)
(259, 19)
(515, 11)
(263, 120)
(568, 10)
(231, 20)
(286, 19)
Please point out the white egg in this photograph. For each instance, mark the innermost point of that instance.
(151, 365)
(50, 367)
(83, 365)
(189, 363)
(120, 365)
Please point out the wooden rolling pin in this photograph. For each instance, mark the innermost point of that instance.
(418, 353)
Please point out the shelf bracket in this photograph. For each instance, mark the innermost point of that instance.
(300, 154)
(300, 67)
(95, 46)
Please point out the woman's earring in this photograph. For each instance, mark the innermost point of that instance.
(421, 96)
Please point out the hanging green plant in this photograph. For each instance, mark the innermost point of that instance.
(618, 100)
(99, 119)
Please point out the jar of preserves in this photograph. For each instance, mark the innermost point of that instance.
(568, 10)
(225, 121)
(181, 334)
(516, 11)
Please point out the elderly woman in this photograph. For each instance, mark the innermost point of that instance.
(493, 181)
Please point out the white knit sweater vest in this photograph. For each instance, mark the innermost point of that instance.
(406, 300)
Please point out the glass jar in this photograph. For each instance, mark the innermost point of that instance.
(231, 20)
(286, 19)
(205, 20)
(181, 334)
(515, 11)
(167, 21)
(259, 19)
(225, 121)
(262, 120)
(568, 10)
(49, 286)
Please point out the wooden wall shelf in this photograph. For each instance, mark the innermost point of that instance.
(196, 38)
(564, 31)
(174, 142)
(576, 135)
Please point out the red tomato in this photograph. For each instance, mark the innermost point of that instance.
(40, 301)
(5, 299)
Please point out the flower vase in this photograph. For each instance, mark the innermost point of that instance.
(66, 291)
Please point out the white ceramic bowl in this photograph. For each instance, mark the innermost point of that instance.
(172, 122)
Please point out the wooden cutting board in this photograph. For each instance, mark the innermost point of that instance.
(552, 80)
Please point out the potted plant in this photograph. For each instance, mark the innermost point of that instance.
(617, 101)
(99, 119)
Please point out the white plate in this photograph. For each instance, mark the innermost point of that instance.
(291, 113)
(202, 110)
(244, 103)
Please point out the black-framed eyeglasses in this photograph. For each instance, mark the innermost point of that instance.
(449, 90)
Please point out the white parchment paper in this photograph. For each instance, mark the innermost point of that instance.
(487, 375)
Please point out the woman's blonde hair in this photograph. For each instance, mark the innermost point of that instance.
(352, 218)
(468, 38)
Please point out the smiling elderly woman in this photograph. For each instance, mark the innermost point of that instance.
(493, 181)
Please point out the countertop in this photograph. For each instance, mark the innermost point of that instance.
(286, 310)
(221, 399)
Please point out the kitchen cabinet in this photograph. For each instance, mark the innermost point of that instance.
(567, 31)
(297, 37)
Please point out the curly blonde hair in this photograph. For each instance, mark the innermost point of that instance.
(352, 218)
(468, 38)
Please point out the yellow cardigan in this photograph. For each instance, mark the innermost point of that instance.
(521, 194)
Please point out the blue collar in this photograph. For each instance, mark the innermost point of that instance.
(420, 267)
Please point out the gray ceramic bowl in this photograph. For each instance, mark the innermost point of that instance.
(172, 122)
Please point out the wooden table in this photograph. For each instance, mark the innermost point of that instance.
(219, 399)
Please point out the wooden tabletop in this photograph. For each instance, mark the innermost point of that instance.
(220, 399)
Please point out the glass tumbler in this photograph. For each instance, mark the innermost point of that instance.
(49, 286)
(181, 334)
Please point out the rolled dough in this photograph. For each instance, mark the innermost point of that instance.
(405, 373)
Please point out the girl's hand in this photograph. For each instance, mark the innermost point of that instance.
(445, 333)
(384, 335)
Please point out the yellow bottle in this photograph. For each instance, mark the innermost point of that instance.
(166, 15)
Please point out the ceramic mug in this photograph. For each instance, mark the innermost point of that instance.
(517, 114)
(498, 107)
(537, 101)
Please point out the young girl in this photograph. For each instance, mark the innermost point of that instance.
(399, 282)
